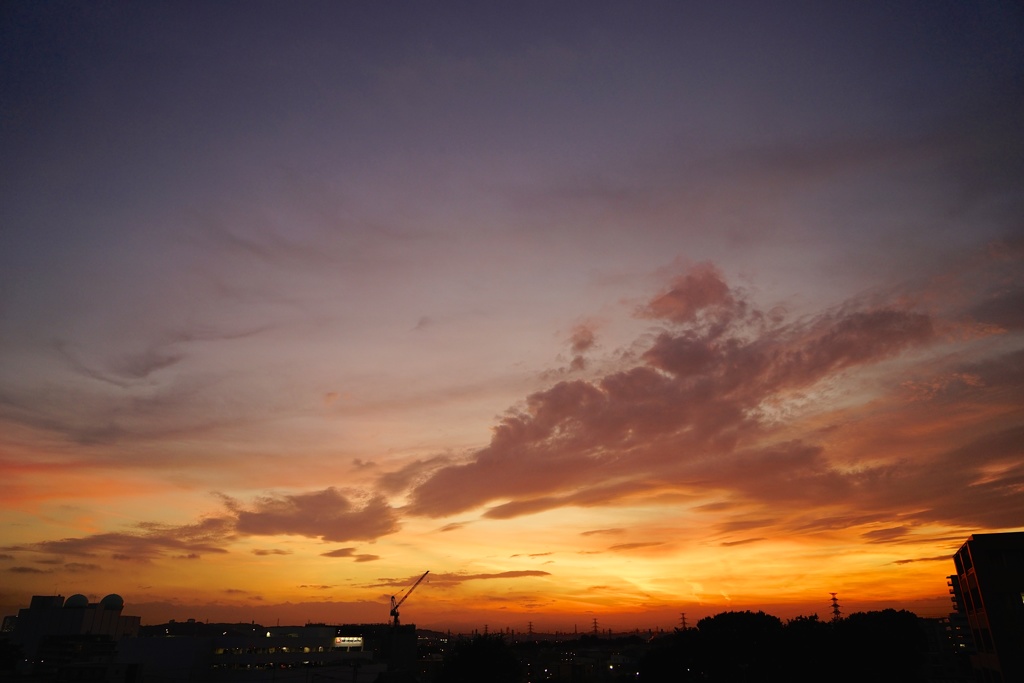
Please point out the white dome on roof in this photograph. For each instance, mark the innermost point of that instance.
(113, 601)
(77, 600)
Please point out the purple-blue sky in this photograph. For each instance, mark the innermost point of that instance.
(616, 309)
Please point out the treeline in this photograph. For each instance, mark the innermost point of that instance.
(753, 646)
(746, 646)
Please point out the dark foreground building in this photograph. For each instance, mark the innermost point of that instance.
(989, 592)
(73, 639)
(244, 653)
(63, 641)
(48, 616)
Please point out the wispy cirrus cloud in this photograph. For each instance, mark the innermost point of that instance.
(937, 558)
(456, 578)
(745, 541)
(82, 567)
(625, 547)
(351, 553)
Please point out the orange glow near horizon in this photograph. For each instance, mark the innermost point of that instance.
(610, 314)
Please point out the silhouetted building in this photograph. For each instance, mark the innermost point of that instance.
(989, 591)
(239, 653)
(958, 627)
(66, 640)
(947, 655)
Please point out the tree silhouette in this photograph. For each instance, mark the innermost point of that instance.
(754, 646)
(483, 658)
(807, 649)
(741, 646)
(673, 659)
(881, 646)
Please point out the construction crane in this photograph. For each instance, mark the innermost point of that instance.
(396, 605)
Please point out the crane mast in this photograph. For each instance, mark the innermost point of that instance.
(396, 605)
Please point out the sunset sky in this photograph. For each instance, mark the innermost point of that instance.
(596, 310)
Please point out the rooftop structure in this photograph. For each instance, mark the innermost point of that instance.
(52, 615)
(73, 637)
(989, 590)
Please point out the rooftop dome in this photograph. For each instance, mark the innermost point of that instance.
(77, 600)
(113, 601)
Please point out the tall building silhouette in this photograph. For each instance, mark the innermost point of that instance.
(990, 594)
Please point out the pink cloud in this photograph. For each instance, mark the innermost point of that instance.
(325, 514)
(582, 338)
(701, 290)
(411, 473)
(685, 416)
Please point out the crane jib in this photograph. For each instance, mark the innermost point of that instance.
(396, 605)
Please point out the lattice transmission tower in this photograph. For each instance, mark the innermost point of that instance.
(836, 614)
